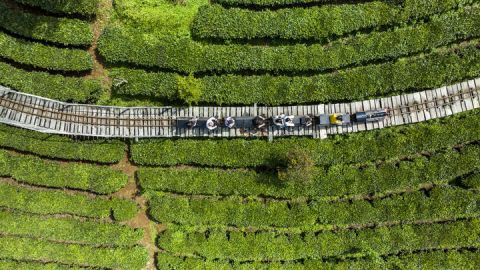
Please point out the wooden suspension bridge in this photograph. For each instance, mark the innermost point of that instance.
(55, 117)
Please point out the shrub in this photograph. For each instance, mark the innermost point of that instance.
(472, 181)
(189, 89)
(318, 23)
(56, 202)
(83, 7)
(33, 170)
(274, 246)
(185, 55)
(341, 180)
(444, 203)
(7, 264)
(61, 147)
(297, 166)
(68, 230)
(437, 259)
(41, 56)
(46, 28)
(50, 86)
(427, 71)
(22, 249)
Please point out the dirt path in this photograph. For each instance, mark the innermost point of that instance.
(131, 191)
(99, 71)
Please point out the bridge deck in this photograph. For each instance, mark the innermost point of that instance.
(55, 117)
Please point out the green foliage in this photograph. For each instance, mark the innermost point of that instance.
(319, 23)
(270, 245)
(271, 3)
(451, 259)
(68, 230)
(57, 202)
(141, 83)
(123, 209)
(189, 89)
(427, 71)
(6, 264)
(472, 181)
(22, 249)
(350, 148)
(47, 57)
(185, 55)
(336, 181)
(83, 7)
(33, 170)
(158, 18)
(443, 203)
(50, 86)
(46, 28)
(54, 146)
(297, 165)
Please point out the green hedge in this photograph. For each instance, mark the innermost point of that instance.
(319, 23)
(48, 57)
(442, 203)
(58, 202)
(35, 171)
(53, 29)
(335, 181)
(68, 230)
(6, 264)
(451, 259)
(50, 86)
(83, 7)
(22, 249)
(54, 146)
(427, 71)
(266, 246)
(271, 3)
(360, 147)
(472, 181)
(120, 45)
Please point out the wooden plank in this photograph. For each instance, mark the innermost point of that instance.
(451, 91)
(440, 103)
(430, 112)
(475, 84)
(417, 97)
(446, 106)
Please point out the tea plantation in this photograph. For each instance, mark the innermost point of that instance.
(404, 197)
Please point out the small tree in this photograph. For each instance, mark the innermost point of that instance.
(189, 89)
(297, 165)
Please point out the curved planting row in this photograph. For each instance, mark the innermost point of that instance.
(441, 204)
(9, 264)
(420, 72)
(46, 54)
(272, 246)
(68, 230)
(83, 7)
(46, 28)
(35, 171)
(214, 21)
(20, 249)
(42, 56)
(185, 55)
(61, 147)
(48, 85)
(50, 202)
(336, 181)
(451, 259)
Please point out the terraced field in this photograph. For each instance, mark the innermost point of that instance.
(405, 197)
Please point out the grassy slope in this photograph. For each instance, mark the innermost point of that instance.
(72, 223)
